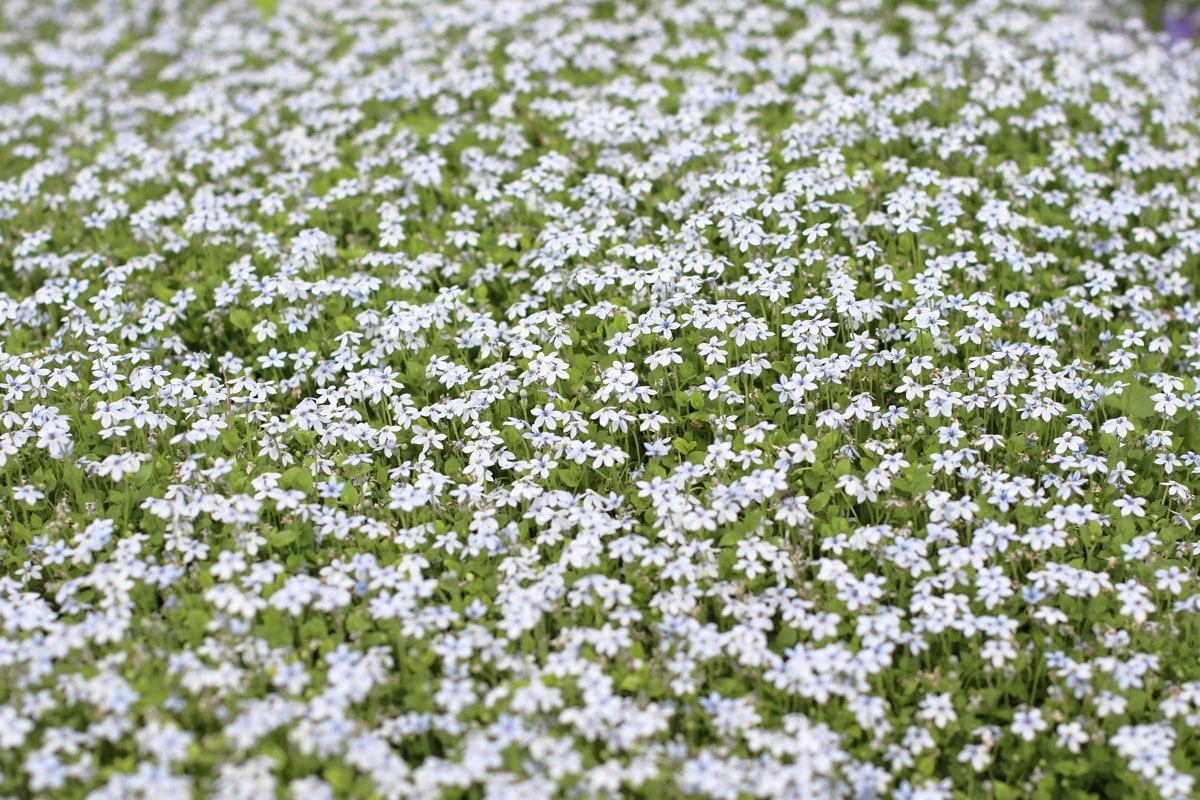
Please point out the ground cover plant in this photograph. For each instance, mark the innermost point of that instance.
(588, 399)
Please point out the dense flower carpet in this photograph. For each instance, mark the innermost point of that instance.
(538, 398)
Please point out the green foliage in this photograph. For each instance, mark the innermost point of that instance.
(616, 398)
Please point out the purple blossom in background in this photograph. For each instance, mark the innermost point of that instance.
(1179, 25)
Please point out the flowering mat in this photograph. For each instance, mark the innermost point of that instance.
(590, 399)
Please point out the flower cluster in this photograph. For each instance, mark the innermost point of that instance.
(537, 398)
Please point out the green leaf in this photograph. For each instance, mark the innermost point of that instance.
(1002, 791)
(731, 538)
(922, 483)
(267, 7)
(853, 200)
(73, 478)
(1134, 400)
(297, 478)
(284, 537)
(196, 622)
(313, 628)
(340, 777)
(241, 319)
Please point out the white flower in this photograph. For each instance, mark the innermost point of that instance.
(1027, 724)
(1072, 736)
(30, 495)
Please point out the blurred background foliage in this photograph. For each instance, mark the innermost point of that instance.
(1180, 19)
